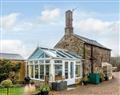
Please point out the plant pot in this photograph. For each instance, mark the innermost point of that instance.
(44, 93)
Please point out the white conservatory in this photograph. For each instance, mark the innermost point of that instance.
(56, 64)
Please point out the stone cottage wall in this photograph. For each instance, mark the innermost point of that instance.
(76, 45)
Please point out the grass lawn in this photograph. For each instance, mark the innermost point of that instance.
(12, 91)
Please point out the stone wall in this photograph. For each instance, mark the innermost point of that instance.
(72, 44)
(78, 46)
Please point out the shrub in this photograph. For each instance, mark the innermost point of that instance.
(6, 83)
(45, 88)
(102, 76)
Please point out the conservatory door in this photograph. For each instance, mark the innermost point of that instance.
(69, 73)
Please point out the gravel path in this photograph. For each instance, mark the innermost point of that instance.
(111, 87)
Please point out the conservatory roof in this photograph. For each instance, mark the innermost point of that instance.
(54, 53)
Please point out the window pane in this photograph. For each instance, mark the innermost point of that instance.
(41, 61)
(71, 69)
(47, 61)
(66, 70)
(58, 72)
(36, 62)
(41, 71)
(47, 70)
(77, 70)
(58, 61)
(31, 71)
(36, 71)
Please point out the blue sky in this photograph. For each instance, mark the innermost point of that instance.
(29, 23)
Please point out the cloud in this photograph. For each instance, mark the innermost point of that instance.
(12, 23)
(14, 46)
(9, 21)
(91, 24)
(48, 16)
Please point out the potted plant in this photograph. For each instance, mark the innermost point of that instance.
(44, 89)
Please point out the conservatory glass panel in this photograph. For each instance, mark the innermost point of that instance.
(66, 70)
(58, 72)
(36, 71)
(31, 71)
(47, 61)
(77, 70)
(57, 61)
(41, 71)
(65, 54)
(47, 67)
(41, 61)
(36, 62)
(71, 69)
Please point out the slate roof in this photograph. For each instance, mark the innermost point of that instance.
(91, 42)
(11, 56)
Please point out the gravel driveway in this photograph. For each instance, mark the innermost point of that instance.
(111, 87)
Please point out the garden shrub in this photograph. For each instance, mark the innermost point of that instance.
(6, 83)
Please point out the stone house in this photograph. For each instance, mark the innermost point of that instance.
(15, 58)
(92, 52)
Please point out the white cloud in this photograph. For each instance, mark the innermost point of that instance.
(91, 24)
(48, 16)
(14, 46)
(9, 21)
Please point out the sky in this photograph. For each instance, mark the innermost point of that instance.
(26, 24)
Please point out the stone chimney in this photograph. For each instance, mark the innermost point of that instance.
(68, 22)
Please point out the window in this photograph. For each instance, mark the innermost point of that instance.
(77, 71)
(58, 61)
(36, 62)
(47, 61)
(58, 70)
(31, 71)
(66, 70)
(47, 70)
(30, 62)
(71, 69)
(41, 61)
(41, 71)
(36, 71)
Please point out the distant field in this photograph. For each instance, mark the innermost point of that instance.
(12, 91)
